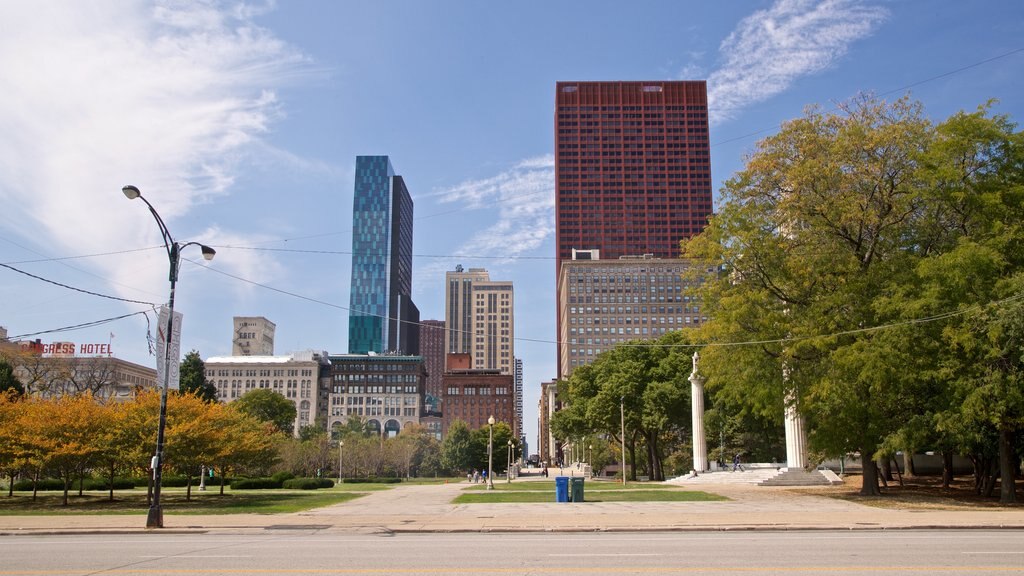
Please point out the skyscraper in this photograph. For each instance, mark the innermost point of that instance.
(632, 167)
(382, 316)
(479, 319)
(632, 179)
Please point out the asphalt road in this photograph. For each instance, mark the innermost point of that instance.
(329, 552)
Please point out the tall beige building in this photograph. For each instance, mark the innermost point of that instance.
(479, 319)
(253, 336)
(602, 303)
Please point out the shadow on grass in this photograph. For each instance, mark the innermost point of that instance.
(174, 502)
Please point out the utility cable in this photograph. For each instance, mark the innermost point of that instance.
(29, 274)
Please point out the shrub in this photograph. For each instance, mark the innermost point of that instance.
(255, 484)
(282, 476)
(43, 484)
(308, 483)
(103, 484)
(371, 480)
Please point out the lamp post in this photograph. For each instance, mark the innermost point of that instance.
(590, 459)
(155, 519)
(622, 423)
(341, 457)
(490, 452)
(508, 469)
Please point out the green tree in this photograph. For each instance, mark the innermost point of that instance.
(825, 218)
(456, 448)
(8, 381)
(645, 381)
(268, 406)
(870, 217)
(193, 378)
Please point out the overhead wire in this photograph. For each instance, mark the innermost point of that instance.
(534, 340)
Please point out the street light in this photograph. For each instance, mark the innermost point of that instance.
(341, 457)
(156, 512)
(508, 470)
(490, 452)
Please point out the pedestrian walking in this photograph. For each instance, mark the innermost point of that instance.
(736, 463)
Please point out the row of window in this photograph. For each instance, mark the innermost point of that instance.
(252, 372)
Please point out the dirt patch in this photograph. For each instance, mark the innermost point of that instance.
(920, 493)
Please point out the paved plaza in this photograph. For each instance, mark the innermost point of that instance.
(428, 508)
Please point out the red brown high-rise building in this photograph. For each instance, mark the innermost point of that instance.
(632, 169)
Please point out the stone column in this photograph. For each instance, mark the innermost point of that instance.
(796, 435)
(700, 446)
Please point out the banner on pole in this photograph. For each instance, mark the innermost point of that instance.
(161, 344)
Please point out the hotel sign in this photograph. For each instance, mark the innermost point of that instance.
(70, 349)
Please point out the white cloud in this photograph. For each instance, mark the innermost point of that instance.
(169, 96)
(524, 196)
(772, 48)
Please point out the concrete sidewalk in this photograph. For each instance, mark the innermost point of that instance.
(428, 508)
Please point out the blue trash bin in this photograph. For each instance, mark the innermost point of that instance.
(561, 489)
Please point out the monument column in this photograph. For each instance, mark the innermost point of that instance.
(700, 446)
(796, 435)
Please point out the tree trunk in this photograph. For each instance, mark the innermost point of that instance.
(67, 486)
(908, 464)
(632, 459)
(111, 480)
(10, 485)
(35, 485)
(1007, 470)
(869, 484)
(188, 487)
(223, 475)
(947, 468)
(990, 478)
(81, 480)
(886, 469)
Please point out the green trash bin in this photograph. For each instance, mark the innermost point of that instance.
(576, 489)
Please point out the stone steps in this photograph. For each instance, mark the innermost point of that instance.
(761, 477)
(801, 477)
(747, 476)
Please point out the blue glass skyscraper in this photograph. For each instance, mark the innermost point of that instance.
(382, 316)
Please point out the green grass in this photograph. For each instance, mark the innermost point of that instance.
(588, 486)
(173, 501)
(627, 495)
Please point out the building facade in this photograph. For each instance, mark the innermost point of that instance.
(301, 377)
(253, 336)
(602, 303)
(432, 350)
(473, 396)
(384, 390)
(546, 407)
(632, 170)
(382, 315)
(479, 317)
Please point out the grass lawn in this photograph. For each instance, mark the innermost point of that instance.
(588, 486)
(173, 501)
(627, 495)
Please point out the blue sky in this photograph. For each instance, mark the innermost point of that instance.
(240, 122)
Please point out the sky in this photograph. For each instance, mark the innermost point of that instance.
(240, 122)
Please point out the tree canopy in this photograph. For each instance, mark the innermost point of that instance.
(872, 259)
(193, 378)
(268, 406)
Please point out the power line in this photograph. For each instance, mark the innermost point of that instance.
(79, 326)
(886, 93)
(349, 253)
(75, 289)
